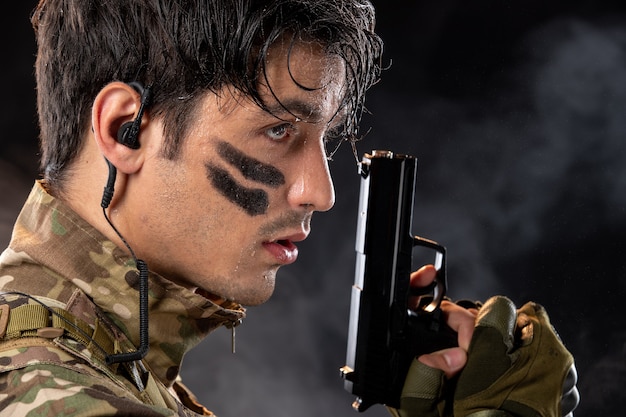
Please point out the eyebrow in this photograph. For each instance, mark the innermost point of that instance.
(296, 107)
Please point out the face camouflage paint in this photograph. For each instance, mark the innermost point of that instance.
(251, 168)
(253, 201)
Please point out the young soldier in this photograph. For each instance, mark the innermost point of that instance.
(184, 153)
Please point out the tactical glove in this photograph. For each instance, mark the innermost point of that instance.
(516, 366)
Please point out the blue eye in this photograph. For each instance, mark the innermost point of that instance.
(279, 132)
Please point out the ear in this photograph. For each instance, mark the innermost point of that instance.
(118, 103)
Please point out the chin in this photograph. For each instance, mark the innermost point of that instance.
(258, 298)
(258, 295)
(250, 292)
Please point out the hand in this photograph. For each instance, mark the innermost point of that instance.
(516, 364)
(426, 386)
(461, 320)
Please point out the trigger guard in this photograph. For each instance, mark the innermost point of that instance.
(431, 296)
(438, 294)
(438, 287)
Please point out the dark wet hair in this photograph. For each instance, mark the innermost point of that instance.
(182, 48)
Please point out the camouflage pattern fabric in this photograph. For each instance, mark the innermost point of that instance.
(59, 260)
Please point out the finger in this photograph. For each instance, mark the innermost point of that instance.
(423, 276)
(461, 320)
(450, 360)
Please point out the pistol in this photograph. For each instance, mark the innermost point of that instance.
(384, 333)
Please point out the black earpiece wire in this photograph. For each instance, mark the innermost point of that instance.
(130, 137)
(142, 267)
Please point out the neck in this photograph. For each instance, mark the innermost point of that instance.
(83, 193)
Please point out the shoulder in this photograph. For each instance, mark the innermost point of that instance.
(44, 380)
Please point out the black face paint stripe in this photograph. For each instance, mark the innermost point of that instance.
(253, 201)
(251, 168)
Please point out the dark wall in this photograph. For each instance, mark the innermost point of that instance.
(516, 113)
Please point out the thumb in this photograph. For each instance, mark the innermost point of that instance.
(450, 360)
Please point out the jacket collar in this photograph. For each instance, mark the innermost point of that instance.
(74, 254)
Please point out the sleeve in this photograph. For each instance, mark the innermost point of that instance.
(51, 389)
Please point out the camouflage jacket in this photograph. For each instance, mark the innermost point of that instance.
(68, 298)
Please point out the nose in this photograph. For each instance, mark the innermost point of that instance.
(312, 186)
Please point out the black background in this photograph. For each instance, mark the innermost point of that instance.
(516, 111)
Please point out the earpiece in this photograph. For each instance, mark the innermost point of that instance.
(128, 133)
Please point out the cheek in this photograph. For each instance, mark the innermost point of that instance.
(179, 198)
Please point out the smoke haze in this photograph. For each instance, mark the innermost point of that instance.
(517, 116)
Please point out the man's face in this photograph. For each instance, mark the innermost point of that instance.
(225, 215)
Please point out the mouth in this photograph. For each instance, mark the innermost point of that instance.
(284, 250)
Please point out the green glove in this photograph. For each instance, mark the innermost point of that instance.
(516, 366)
(423, 393)
(516, 363)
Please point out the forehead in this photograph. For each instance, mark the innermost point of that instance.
(301, 78)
